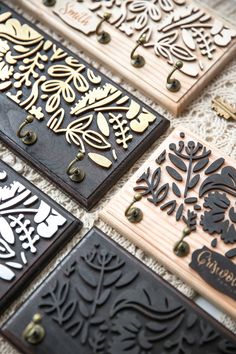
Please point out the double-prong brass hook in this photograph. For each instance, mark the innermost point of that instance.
(76, 174)
(28, 137)
(134, 214)
(138, 60)
(174, 85)
(34, 332)
(181, 248)
(102, 36)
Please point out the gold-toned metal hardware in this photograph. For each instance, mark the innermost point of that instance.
(134, 214)
(29, 137)
(174, 85)
(181, 248)
(223, 108)
(49, 2)
(76, 174)
(34, 332)
(102, 36)
(138, 60)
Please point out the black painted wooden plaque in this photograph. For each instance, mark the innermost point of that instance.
(32, 229)
(76, 108)
(101, 299)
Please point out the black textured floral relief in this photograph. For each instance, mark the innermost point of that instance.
(102, 300)
(200, 189)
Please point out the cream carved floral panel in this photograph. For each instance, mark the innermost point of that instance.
(174, 29)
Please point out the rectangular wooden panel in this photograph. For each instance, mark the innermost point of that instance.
(185, 183)
(100, 299)
(76, 108)
(32, 229)
(176, 30)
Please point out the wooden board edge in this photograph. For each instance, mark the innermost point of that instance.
(163, 260)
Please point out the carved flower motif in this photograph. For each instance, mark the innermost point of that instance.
(6, 70)
(132, 338)
(221, 218)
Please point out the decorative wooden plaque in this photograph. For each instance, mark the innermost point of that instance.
(76, 109)
(175, 30)
(32, 229)
(102, 300)
(185, 183)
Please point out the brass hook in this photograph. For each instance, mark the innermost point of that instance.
(34, 332)
(29, 137)
(174, 85)
(138, 60)
(49, 2)
(103, 37)
(181, 248)
(134, 214)
(76, 174)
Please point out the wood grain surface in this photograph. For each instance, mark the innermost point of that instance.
(158, 232)
(150, 79)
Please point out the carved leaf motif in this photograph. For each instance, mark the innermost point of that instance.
(127, 278)
(6, 231)
(18, 33)
(83, 309)
(174, 174)
(104, 297)
(177, 162)
(6, 273)
(200, 165)
(95, 139)
(96, 98)
(194, 181)
(87, 277)
(188, 39)
(84, 293)
(216, 165)
(112, 278)
(103, 125)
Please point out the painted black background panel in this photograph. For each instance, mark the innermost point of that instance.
(52, 153)
(32, 229)
(101, 299)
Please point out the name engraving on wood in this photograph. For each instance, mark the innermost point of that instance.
(76, 15)
(216, 270)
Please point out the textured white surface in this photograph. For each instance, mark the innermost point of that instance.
(198, 117)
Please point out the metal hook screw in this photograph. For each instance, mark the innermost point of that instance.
(138, 60)
(134, 214)
(181, 248)
(29, 137)
(174, 85)
(76, 174)
(34, 332)
(49, 2)
(103, 37)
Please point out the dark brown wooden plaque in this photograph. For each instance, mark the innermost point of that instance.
(101, 299)
(76, 108)
(32, 229)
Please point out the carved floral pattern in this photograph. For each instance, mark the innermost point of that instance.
(24, 220)
(190, 170)
(49, 83)
(175, 29)
(101, 302)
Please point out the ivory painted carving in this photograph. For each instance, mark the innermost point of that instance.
(25, 220)
(175, 29)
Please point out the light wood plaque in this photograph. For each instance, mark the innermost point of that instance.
(158, 232)
(176, 30)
